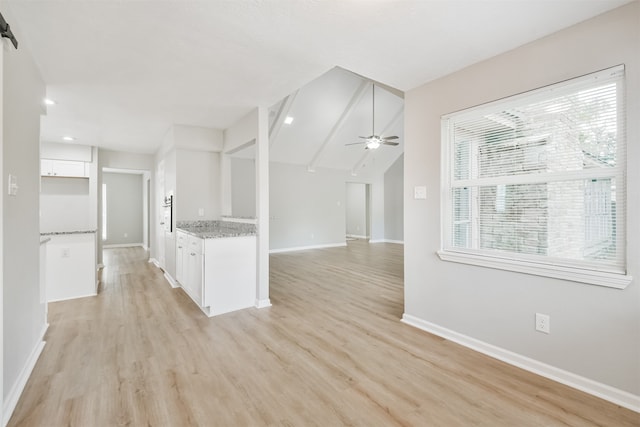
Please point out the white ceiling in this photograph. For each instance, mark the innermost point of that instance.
(123, 71)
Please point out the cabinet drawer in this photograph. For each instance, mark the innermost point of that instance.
(194, 245)
(182, 238)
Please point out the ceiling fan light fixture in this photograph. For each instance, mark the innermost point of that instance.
(373, 143)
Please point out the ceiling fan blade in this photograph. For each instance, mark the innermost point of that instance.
(356, 143)
(366, 137)
(386, 138)
(390, 143)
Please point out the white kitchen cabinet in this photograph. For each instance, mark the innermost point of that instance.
(63, 168)
(181, 250)
(71, 266)
(219, 274)
(194, 269)
(229, 274)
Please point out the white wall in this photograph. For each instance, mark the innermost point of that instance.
(63, 151)
(595, 330)
(197, 138)
(356, 209)
(394, 201)
(23, 312)
(65, 204)
(306, 209)
(197, 185)
(243, 187)
(170, 185)
(124, 208)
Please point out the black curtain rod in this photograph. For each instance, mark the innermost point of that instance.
(5, 31)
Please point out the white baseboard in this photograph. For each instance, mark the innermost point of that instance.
(305, 248)
(14, 394)
(154, 262)
(70, 298)
(123, 245)
(263, 303)
(357, 236)
(171, 280)
(399, 242)
(603, 391)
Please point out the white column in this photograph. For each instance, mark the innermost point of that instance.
(262, 208)
(2, 192)
(225, 184)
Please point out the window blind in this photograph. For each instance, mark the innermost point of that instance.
(540, 176)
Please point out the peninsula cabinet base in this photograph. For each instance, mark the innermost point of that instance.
(219, 274)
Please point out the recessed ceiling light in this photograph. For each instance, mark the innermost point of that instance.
(68, 138)
(288, 120)
(49, 101)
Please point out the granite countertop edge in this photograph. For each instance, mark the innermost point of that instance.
(63, 233)
(209, 234)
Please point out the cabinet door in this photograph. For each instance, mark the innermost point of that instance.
(46, 167)
(182, 252)
(194, 276)
(68, 168)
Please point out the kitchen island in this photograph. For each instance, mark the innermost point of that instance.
(70, 264)
(216, 264)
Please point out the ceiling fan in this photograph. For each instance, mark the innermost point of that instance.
(374, 141)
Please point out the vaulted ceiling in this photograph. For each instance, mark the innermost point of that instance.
(123, 72)
(330, 114)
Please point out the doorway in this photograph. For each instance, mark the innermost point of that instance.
(357, 210)
(124, 218)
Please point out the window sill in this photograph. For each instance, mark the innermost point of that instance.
(592, 277)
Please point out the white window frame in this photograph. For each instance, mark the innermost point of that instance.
(547, 267)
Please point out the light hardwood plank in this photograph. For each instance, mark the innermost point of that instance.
(330, 351)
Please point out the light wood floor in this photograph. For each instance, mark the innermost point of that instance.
(331, 351)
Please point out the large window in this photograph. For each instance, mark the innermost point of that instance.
(536, 182)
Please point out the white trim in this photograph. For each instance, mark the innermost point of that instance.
(171, 280)
(154, 262)
(540, 93)
(100, 266)
(305, 248)
(398, 242)
(603, 391)
(574, 274)
(70, 298)
(123, 245)
(263, 303)
(14, 394)
(357, 236)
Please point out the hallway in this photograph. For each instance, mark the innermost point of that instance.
(331, 351)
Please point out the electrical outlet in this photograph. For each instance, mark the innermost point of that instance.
(201, 212)
(543, 323)
(126, 234)
(64, 252)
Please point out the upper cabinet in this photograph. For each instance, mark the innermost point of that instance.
(64, 168)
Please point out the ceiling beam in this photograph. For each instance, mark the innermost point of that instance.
(357, 96)
(282, 114)
(391, 89)
(367, 153)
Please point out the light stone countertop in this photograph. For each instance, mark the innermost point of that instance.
(62, 233)
(216, 229)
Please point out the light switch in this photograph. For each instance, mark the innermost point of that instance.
(13, 185)
(420, 192)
